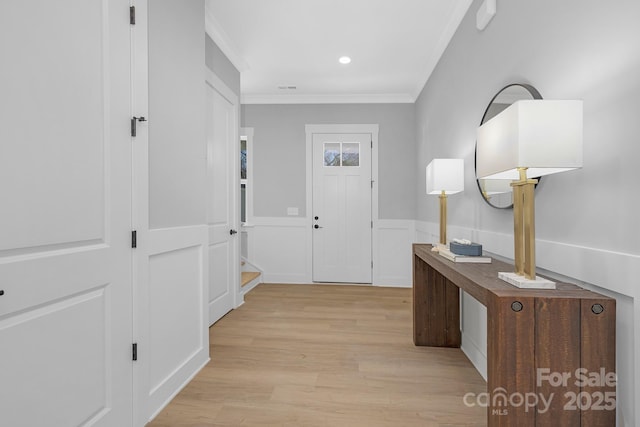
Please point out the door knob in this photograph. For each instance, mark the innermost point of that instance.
(316, 226)
(232, 232)
(316, 218)
(1, 292)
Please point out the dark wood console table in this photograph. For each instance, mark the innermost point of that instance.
(534, 338)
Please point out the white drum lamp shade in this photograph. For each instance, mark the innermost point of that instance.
(445, 175)
(544, 136)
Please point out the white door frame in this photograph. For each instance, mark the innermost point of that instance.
(139, 190)
(215, 82)
(247, 132)
(338, 128)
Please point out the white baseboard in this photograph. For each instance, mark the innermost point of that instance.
(475, 355)
(286, 278)
(179, 388)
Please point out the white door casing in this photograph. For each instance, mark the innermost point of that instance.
(223, 185)
(247, 133)
(341, 208)
(140, 207)
(65, 215)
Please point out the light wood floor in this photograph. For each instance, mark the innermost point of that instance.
(321, 355)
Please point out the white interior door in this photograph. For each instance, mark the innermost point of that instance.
(223, 162)
(65, 181)
(342, 208)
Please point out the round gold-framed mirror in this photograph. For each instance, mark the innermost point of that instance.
(497, 193)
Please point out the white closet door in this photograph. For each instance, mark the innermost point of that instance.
(223, 187)
(65, 212)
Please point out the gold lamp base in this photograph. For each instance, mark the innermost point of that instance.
(443, 218)
(524, 237)
(524, 283)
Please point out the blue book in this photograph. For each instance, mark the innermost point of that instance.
(473, 249)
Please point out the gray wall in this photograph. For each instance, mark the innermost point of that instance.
(279, 153)
(177, 150)
(573, 49)
(217, 62)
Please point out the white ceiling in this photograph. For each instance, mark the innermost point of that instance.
(394, 46)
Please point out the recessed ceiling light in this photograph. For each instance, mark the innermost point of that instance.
(344, 60)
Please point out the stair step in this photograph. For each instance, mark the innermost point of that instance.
(249, 276)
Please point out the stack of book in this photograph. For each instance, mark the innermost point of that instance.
(464, 252)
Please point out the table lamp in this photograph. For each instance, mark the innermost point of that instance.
(531, 138)
(444, 177)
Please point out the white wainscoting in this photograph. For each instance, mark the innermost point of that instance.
(610, 273)
(279, 247)
(473, 325)
(174, 342)
(392, 252)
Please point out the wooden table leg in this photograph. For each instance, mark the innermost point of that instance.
(436, 308)
(510, 360)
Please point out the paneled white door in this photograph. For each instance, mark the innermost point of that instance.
(341, 208)
(65, 214)
(223, 162)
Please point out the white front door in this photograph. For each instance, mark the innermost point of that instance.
(341, 207)
(65, 214)
(223, 164)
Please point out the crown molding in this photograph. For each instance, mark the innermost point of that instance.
(445, 37)
(386, 98)
(223, 41)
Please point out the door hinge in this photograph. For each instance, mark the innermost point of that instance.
(371, 263)
(371, 224)
(134, 124)
(134, 239)
(132, 15)
(134, 351)
(372, 143)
